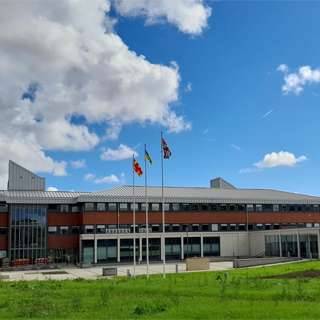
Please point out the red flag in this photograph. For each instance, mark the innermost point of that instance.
(137, 168)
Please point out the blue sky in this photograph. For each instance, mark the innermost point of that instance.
(228, 82)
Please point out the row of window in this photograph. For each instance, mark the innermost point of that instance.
(91, 229)
(182, 207)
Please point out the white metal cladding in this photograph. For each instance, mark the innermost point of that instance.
(23, 179)
(172, 195)
(221, 184)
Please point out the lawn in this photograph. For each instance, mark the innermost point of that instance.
(206, 295)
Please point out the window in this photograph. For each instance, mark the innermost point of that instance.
(260, 226)
(224, 227)
(195, 227)
(143, 206)
(307, 208)
(64, 230)
(88, 229)
(276, 226)
(242, 227)
(3, 231)
(223, 207)
(249, 207)
(186, 228)
(268, 226)
(75, 229)
(214, 207)
(123, 207)
(64, 208)
(240, 207)
(267, 207)
(205, 227)
(195, 207)
(52, 230)
(301, 225)
(250, 227)
(75, 209)
(315, 208)
(283, 208)
(176, 227)
(292, 208)
(214, 227)
(166, 207)
(53, 207)
(275, 207)
(112, 207)
(317, 225)
(299, 208)
(89, 207)
(185, 207)
(112, 226)
(232, 227)
(135, 206)
(309, 225)
(101, 228)
(3, 208)
(204, 207)
(155, 206)
(167, 228)
(155, 228)
(258, 207)
(101, 207)
(175, 207)
(232, 207)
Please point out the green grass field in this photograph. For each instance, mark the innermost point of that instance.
(206, 295)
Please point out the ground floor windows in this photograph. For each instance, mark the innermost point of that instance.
(126, 250)
(63, 255)
(154, 249)
(309, 246)
(272, 246)
(289, 245)
(192, 247)
(107, 250)
(173, 248)
(211, 246)
(87, 250)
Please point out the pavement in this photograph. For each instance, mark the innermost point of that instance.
(72, 272)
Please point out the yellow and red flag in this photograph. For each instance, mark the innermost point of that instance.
(137, 168)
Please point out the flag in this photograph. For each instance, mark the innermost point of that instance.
(137, 168)
(166, 150)
(148, 157)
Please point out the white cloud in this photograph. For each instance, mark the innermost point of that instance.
(190, 16)
(247, 170)
(205, 131)
(266, 114)
(294, 82)
(52, 189)
(188, 87)
(236, 147)
(89, 176)
(279, 159)
(283, 68)
(108, 179)
(65, 59)
(123, 152)
(123, 178)
(81, 163)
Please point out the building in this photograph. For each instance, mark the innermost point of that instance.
(98, 226)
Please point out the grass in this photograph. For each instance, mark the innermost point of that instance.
(205, 295)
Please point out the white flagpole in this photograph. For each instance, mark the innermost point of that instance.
(163, 219)
(147, 220)
(134, 223)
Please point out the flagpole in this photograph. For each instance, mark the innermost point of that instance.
(134, 223)
(163, 219)
(147, 218)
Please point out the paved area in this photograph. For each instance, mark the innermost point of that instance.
(96, 272)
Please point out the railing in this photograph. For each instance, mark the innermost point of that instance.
(117, 230)
(261, 254)
(144, 230)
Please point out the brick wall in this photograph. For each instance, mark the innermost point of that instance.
(63, 241)
(4, 219)
(3, 243)
(64, 219)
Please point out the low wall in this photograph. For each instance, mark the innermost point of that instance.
(244, 263)
(194, 264)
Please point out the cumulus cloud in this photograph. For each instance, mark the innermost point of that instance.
(62, 62)
(279, 159)
(283, 68)
(190, 16)
(294, 82)
(108, 179)
(123, 152)
(89, 176)
(52, 189)
(81, 163)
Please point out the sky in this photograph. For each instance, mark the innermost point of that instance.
(233, 85)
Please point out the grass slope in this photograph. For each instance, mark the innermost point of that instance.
(205, 295)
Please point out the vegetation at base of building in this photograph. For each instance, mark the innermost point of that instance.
(206, 295)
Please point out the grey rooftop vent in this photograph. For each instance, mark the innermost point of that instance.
(219, 183)
(23, 179)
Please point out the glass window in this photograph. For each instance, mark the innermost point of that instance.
(315, 208)
(316, 224)
(309, 225)
(195, 227)
(167, 228)
(112, 206)
(276, 226)
(112, 226)
(143, 206)
(3, 208)
(75, 209)
(250, 207)
(185, 207)
(299, 208)
(101, 207)
(260, 226)
(258, 207)
(166, 207)
(267, 207)
(88, 229)
(175, 207)
(223, 207)
(75, 229)
(204, 207)
(123, 207)
(3, 230)
(64, 230)
(232, 207)
(292, 208)
(53, 207)
(242, 227)
(275, 207)
(89, 207)
(195, 207)
(283, 207)
(250, 227)
(232, 227)
(240, 207)
(64, 208)
(205, 227)
(224, 227)
(136, 206)
(268, 226)
(52, 230)
(155, 206)
(176, 227)
(307, 208)
(155, 228)
(101, 228)
(214, 207)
